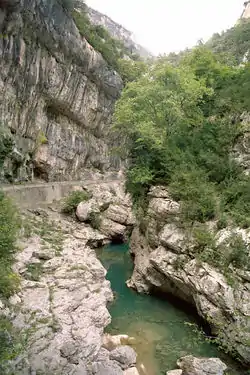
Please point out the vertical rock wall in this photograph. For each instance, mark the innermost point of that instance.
(57, 94)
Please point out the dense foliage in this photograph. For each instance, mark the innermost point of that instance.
(234, 43)
(68, 5)
(181, 123)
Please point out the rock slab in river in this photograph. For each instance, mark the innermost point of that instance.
(201, 366)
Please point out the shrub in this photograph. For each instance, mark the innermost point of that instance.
(10, 224)
(10, 343)
(71, 202)
(222, 222)
(67, 4)
(95, 220)
(6, 144)
(239, 254)
(203, 238)
(197, 195)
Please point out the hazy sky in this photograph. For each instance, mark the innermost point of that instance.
(171, 25)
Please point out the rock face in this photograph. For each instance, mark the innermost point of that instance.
(118, 32)
(56, 94)
(165, 262)
(125, 355)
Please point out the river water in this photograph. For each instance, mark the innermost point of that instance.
(163, 331)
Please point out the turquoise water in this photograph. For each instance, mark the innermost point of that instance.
(163, 332)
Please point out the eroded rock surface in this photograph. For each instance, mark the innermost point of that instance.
(165, 262)
(57, 94)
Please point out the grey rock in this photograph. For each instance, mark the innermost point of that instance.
(44, 254)
(131, 371)
(113, 230)
(68, 349)
(106, 368)
(201, 366)
(163, 207)
(86, 209)
(174, 372)
(81, 370)
(173, 238)
(103, 355)
(125, 355)
(119, 214)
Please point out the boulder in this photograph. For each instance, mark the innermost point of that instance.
(44, 254)
(120, 214)
(81, 370)
(173, 238)
(106, 368)
(158, 192)
(112, 342)
(103, 355)
(201, 366)
(112, 230)
(131, 371)
(174, 372)
(161, 208)
(125, 356)
(86, 209)
(116, 213)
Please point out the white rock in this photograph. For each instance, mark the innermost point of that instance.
(131, 371)
(86, 209)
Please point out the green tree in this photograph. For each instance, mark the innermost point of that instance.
(177, 122)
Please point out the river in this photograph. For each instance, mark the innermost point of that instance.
(163, 330)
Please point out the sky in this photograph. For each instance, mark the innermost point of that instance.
(163, 26)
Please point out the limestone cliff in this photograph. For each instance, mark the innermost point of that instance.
(56, 93)
(246, 12)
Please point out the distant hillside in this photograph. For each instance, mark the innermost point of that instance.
(119, 32)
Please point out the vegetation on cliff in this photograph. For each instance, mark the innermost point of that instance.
(9, 281)
(181, 122)
(112, 50)
(9, 227)
(233, 43)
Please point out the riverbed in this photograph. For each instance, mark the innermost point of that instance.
(164, 330)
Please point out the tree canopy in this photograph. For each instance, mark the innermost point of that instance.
(180, 124)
